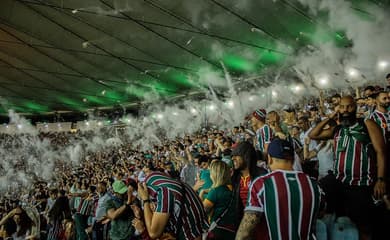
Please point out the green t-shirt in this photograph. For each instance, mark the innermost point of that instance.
(205, 176)
(220, 197)
(121, 228)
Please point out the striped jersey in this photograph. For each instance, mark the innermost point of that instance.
(383, 121)
(263, 136)
(168, 194)
(289, 201)
(353, 164)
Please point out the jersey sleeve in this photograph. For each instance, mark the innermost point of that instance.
(255, 196)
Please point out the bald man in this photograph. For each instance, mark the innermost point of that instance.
(358, 174)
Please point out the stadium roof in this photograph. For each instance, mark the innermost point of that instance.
(73, 55)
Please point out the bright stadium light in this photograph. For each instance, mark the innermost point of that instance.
(323, 81)
(295, 88)
(382, 65)
(352, 72)
(212, 107)
(230, 104)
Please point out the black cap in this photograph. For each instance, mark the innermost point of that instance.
(242, 149)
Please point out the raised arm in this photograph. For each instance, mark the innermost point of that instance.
(319, 133)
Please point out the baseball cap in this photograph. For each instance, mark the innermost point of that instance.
(119, 187)
(281, 149)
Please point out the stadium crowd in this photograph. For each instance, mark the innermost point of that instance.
(291, 173)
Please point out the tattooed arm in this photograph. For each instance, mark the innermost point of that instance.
(247, 225)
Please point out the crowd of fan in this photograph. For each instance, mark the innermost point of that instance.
(274, 176)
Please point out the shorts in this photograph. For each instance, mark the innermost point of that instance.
(359, 204)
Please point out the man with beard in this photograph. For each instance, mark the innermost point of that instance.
(381, 114)
(245, 170)
(358, 177)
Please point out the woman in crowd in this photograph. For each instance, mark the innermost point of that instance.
(219, 202)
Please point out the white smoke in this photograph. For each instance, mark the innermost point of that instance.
(368, 34)
(224, 101)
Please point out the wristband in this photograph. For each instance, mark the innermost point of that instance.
(145, 201)
(380, 179)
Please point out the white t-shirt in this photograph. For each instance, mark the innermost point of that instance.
(325, 159)
(313, 143)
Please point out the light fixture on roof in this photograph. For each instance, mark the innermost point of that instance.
(382, 65)
(274, 93)
(352, 72)
(85, 44)
(296, 88)
(323, 80)
(251, 98)
(193, 110)
(103, 92)
(85, 100)
(230, 104)
(175, 113)
(212, 107)
(159, 116)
